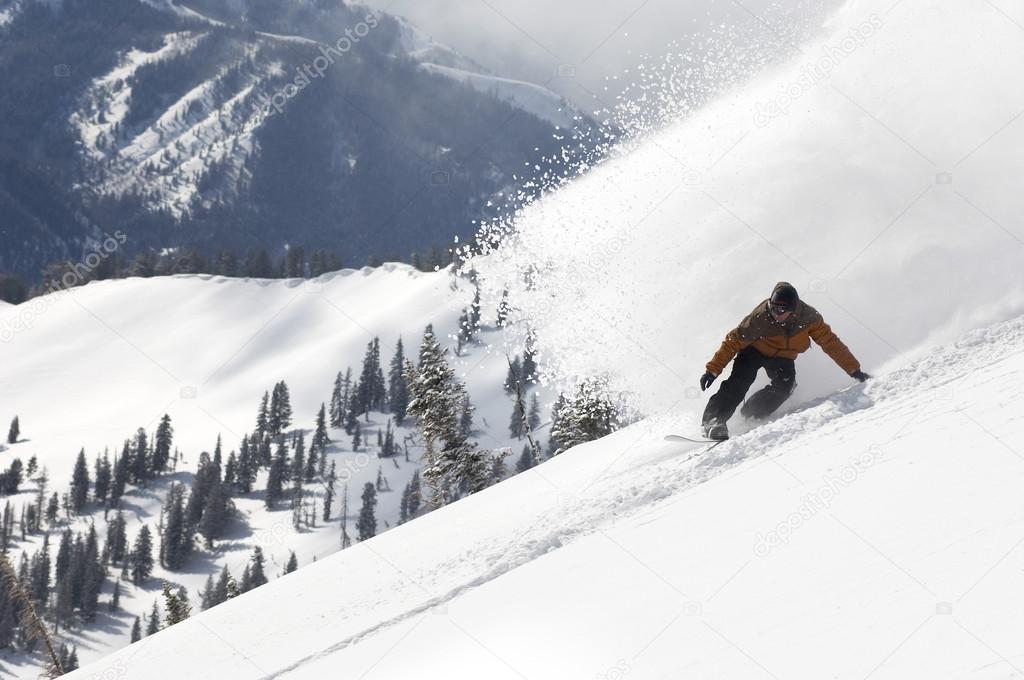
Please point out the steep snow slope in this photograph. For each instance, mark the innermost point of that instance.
(876, 532)
(878, 171)
(87, 367)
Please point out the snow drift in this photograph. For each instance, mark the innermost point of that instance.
(878, 171)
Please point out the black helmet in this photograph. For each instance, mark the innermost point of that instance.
(784, 298)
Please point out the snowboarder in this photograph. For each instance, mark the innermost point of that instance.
(770, 337)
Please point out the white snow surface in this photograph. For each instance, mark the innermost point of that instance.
(898, 523)
(888, 193)
(89, 366)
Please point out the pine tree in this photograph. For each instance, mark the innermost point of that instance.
(277, 477)
(587, 416)
(215, 513)
(263, 416)
(337, 412)
(352, 414)
(79, 484)
(14, 432)
(367, 524)
(121, 474)
(177, 539)
(292, 565)
(453, 465)
(117, 538)
(206, 598)
(297, 470)
(246, 583)
(318, 447)
(136, 630)
(357, 437)
(52, 508)
(280, 417)
(141, 461)
(103, 478)
(398, 389)
(154, 620)
(162, 444)
(176, 604)
(231, 472)
(142, 556)
(415, 496)
(257, 577)
(371, 383)
(219, 593)
(33, 465)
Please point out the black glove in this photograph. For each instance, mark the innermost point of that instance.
(706, 380)
(860, 375)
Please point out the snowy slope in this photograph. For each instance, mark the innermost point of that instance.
(91, 365)
(871, 531)
(897, 504)
(885, 186)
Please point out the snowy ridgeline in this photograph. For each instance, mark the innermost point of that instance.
(146, 358)
(877, 531)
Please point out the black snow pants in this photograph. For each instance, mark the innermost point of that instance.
(782, 373)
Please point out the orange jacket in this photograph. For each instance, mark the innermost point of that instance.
(786, 340)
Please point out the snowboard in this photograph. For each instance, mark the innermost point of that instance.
(692, 440)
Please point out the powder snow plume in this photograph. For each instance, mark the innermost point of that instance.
(878, 169)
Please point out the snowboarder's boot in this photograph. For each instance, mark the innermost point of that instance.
(716, 429)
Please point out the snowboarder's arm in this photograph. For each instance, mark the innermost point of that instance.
(822, 334)
(732, 344)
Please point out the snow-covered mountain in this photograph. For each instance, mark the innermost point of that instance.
(869, 531)
(322, 124)
(203, 350)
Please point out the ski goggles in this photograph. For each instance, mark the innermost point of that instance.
(779, 310)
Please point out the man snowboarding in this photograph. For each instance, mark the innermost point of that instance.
(770, 337)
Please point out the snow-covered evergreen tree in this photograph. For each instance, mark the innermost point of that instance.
(588, 415)
(452, 464)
